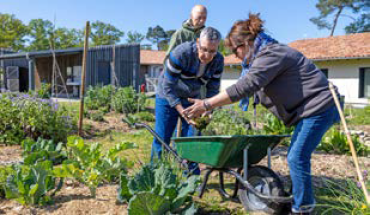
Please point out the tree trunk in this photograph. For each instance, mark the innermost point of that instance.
(336, 20)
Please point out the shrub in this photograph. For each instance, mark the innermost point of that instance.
(44, 91)
(99, 98)
(22, 115)
(127, 101)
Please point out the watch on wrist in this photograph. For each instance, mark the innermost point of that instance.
(207, 106)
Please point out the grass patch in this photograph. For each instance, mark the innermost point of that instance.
(343, 197)
(357, 116)
(142, 138)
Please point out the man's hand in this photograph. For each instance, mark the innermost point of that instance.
(180, 109)
(196, 110)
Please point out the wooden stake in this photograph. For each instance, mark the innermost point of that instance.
(179, 127)
(82, 89)
(353, 151)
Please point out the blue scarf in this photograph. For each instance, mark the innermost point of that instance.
(261, 41)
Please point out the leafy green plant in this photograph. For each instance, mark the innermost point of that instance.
(4, 173)
(336, 142)
(32, 184)
(157, 189)
(202, 122)
(87, 164)
(41, 150)
(99, 98)
(275, 126)
(95, 115)
(127, 101)
(44, 91)
(228, 122)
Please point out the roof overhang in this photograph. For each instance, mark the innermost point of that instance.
(341, 58)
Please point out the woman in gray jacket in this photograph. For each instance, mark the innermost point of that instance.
(287, 84)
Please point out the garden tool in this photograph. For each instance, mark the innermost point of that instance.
(348, 134)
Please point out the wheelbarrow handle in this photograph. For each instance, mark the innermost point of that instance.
(169, 148)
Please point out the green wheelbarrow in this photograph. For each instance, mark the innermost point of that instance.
(258, 187)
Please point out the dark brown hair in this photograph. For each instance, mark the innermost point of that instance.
(244, 30)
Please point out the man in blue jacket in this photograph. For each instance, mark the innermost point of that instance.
(189, 66)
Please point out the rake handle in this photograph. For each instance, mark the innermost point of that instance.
(352, 147)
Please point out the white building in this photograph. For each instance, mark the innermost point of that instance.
(344, 59)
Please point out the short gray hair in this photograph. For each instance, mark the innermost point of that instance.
(210, 34)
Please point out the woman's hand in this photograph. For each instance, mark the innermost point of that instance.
(196, 110)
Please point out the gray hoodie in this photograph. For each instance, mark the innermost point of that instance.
(288, 84)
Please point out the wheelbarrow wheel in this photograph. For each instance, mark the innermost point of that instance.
(268, 183)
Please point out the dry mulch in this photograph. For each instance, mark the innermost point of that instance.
(77, 200)
(73, 201)
(10, 154)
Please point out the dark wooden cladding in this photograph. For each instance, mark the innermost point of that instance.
(98, 69)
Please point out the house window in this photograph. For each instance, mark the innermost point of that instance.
(74, 74)
(364, 83)
(326, 72)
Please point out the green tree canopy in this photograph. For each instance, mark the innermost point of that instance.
(68, 38)
(135, 37)
(362, 24)
(40, 32)
(159, 36)
(105, 34)
(12, 32)
(331, 10)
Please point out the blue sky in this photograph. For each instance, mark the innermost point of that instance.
(286, 20)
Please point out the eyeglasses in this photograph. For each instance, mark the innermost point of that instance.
(205, 50)
(235, 49)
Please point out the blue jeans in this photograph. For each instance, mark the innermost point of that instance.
(307, 136)
(165, 124)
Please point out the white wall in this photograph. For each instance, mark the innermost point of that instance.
(230, 76)
(345, 75)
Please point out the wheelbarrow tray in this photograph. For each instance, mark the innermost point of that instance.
(225, 151)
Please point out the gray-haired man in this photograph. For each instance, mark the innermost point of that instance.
(188, 67)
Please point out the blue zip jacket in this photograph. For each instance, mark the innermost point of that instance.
(179, 81)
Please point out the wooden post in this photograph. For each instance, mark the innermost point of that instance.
(351, 146)
(82, 89)
(179, 127)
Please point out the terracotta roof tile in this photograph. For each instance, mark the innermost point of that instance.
(232, 60)
(337, 47)
(151, 57)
